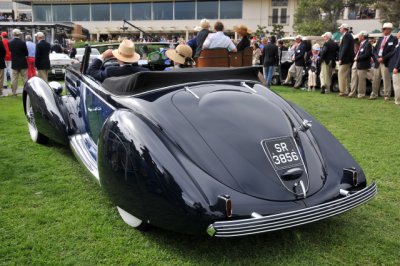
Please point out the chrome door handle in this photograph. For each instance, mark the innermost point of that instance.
(94, 109)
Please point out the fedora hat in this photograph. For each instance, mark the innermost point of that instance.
(387, 25)
(126, 52)
(205, 23)
(242, 29)
(299, 37)
(344, 26)
(180, 53)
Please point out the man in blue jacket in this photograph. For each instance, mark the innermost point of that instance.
(346, 57)
(395, 64)
(299, 60)
(363, 60)
(384, 50)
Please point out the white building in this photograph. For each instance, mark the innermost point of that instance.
(173, 17)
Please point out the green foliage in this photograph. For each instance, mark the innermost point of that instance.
(52, 213)
(390, 11)
(314, 17)
(277, 30)
(260, 31)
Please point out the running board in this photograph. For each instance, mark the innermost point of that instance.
(85, 151)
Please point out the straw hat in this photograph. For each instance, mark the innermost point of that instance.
(180, 53)
(39, 34)
(197, 28)
(205, 23)
(344, 26)
(387, 25)
(299, 37)
(126, 52)
(17, 32)
(242, 29)
(327, 34)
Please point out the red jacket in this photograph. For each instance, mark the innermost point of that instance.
(8, 53)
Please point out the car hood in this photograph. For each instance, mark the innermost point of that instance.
(227, 128)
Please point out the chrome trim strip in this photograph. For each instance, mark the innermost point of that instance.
(280, 221)
(243, 84)
(82, 153)
(194, 94)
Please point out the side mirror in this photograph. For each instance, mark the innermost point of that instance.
(56, 87)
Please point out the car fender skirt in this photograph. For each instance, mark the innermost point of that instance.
(46, 107)
(262, 224)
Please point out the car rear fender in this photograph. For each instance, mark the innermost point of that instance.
(47, 107)
(136, 166)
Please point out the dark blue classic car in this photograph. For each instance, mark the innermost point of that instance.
(199, 150)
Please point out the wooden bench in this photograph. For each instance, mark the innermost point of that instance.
(220, 57)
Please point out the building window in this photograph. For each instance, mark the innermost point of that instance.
(100, 12)
(6, 5)
(42, 13)
(230, 9)
(141, 11)
(120, 11)
(207, 9)
(163, 10)
(279, 16)
(23, 6)
(80, 12)
(61, 13)
(185, 10)
(279, 2)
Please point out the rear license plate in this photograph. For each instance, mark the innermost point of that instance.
(282, 152)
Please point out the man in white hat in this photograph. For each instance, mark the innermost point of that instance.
(395, 67)
(363, 64)
(204, 30)
(19, 64)
(126, 57)
(299, 60)
(384, 50)
(328, 60)
(346, 57)
(42, 56)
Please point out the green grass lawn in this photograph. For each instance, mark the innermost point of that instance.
(53, 212)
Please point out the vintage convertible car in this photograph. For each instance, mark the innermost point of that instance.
(199, 150)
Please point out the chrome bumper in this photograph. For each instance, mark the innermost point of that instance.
(280, 221)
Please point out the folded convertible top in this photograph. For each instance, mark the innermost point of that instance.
(150, 80)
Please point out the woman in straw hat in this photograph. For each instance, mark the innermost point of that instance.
(202, 35)
(244, 33)
(181, 56)
(125, 55)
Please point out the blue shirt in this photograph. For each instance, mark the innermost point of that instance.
(31, 48)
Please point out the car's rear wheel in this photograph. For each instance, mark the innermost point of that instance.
(36, 136)
(133, 221)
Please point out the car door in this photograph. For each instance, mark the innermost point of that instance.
(96, 110)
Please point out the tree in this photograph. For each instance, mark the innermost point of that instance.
(390, 11)
(314, 17)
(277, 30)
(260, 32)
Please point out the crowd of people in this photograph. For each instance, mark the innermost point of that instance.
(355, 56)
(23, 59)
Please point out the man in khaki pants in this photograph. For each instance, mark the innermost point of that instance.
(363, 60)
(19, 64)
(328, 61)
(395, 64)
(383, 51)
(346, 57)
(42, 56)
